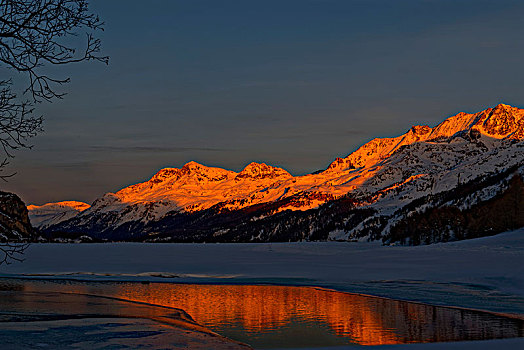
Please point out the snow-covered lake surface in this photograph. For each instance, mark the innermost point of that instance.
(485, 273)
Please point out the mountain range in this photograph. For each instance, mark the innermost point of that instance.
(459, 179)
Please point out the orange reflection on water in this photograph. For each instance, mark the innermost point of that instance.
(367, 321)
(258, 309)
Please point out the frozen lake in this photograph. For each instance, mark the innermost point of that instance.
(265, 317)
(483, 274)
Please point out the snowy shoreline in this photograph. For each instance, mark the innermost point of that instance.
(485, 273)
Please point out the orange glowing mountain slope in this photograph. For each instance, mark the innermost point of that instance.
(386, 173)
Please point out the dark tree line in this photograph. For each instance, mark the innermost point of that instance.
(501, 213)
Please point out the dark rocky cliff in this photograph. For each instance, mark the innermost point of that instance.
(14, 220)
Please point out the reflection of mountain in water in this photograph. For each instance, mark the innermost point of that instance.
(359, 319)
(39, 314)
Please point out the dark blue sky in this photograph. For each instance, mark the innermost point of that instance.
(291, 83)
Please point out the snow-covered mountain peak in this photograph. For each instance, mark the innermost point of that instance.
(53, 213)
(452, 125)
(204, 173)
(501, 122)
(340, 164)
(165, 174)
(193, 166)
(384, 173)
(258, 171)
(71, 205)
(420, 130)
(191, 171)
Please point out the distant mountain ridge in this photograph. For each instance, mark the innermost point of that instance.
(200, 203)
(49, 214)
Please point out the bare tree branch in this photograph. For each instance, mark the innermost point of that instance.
(10, 252)
(38, 32)
(35, 34)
